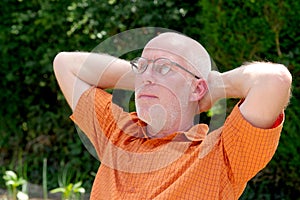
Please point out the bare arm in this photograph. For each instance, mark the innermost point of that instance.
(78, 71)
(264, 86)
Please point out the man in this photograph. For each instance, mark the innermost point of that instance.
(157, 152)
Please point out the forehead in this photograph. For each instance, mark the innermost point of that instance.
(160, 53)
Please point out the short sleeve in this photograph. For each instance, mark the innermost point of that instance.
(248, 149)
(103, 122)
(93, 103)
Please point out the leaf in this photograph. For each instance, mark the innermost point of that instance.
(20, 181)
(70, 187)
(10, 182)
(22, 196)
(80, 190)
(10, 175)
(77, 185)
(57, 190)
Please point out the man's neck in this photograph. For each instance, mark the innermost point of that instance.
(152, 132)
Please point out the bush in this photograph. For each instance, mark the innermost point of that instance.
(35, 117)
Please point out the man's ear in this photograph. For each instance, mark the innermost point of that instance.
(200, 88)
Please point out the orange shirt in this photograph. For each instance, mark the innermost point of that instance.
(184, 165)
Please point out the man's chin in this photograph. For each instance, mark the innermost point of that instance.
(143, 115)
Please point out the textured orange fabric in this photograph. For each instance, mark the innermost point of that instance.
(184, 165)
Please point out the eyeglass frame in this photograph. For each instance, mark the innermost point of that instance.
(153, 61)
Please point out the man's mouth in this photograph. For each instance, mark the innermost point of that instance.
(147, 96)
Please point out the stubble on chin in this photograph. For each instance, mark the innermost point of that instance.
(155, 116)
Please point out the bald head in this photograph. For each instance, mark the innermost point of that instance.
(186, 48)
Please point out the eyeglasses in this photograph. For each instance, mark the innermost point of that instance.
(160, 65)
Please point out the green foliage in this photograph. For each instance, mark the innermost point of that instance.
(68, 189)
(35, 117)
(13, 182)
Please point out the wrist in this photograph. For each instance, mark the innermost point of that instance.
(217, 86)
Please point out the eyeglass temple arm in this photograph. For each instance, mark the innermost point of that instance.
(194, 75)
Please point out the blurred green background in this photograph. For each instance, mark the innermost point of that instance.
(35, 122)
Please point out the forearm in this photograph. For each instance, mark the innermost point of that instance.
(78, 71)
(99, 70)
(257, 77)
(265, 88)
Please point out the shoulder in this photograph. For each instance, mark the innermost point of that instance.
(237, 131)
(90, 101)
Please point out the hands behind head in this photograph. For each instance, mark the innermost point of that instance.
(216, 91)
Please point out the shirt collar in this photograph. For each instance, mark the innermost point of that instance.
(197, 133)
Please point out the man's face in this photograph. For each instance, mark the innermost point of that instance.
(161, 99)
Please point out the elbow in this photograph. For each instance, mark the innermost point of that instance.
(58, 61)
(284, 77)
(276, 75)
(62, 64)
(282, 83)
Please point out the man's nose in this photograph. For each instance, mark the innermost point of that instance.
(149, 74)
